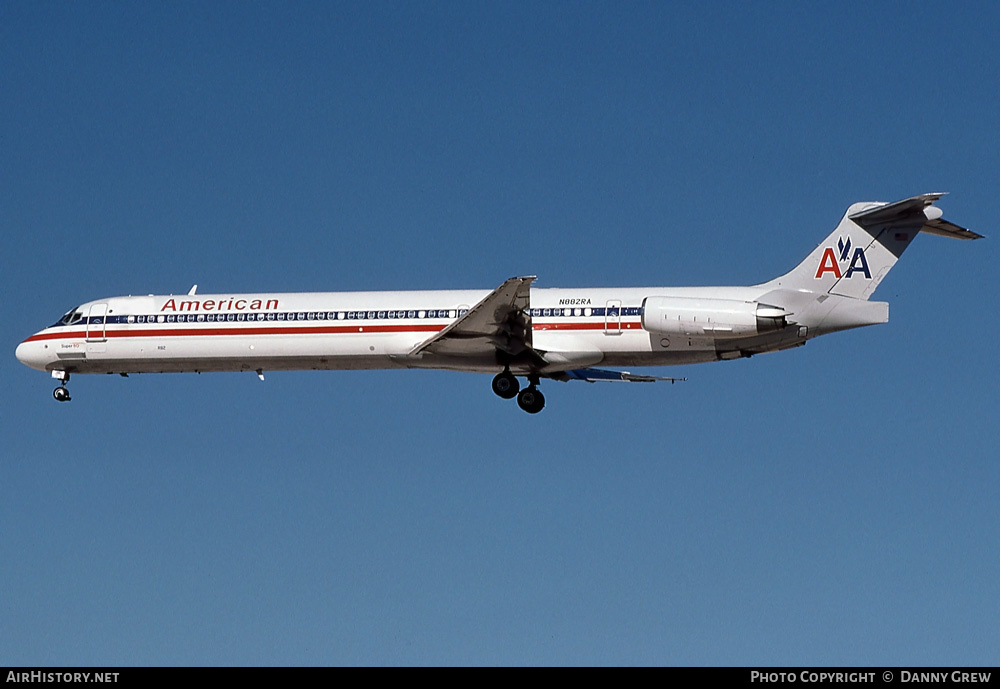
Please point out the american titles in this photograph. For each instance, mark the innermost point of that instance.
(232, 304)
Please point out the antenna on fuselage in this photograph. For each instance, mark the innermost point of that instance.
(193, 290)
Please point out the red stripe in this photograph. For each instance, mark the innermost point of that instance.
(192, 332)
(625, 325)
(57, 336)
(302, 330)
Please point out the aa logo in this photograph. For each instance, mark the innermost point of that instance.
(831, 262)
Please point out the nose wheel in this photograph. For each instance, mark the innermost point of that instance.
(61, 393)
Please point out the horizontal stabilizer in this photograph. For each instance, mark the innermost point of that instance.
(943, 228)
(910, 210)
(883, 213)
(594, 375)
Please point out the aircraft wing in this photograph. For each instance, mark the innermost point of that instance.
(595, 375)
(498, 323)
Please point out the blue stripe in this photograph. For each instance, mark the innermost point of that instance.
(374, 315)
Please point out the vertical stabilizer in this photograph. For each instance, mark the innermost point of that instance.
(864, 247)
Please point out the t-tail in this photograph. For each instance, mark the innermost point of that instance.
(870, 238)
(829, 291)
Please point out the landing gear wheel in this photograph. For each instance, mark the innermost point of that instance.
(531, 400)
(506, 385)
(61, 394)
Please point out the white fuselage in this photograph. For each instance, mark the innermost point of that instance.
(513, 330)
(356, 330)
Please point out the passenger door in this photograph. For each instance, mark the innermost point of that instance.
(97, 340)
(613, 317)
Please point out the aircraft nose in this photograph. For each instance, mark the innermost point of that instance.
(31, 354)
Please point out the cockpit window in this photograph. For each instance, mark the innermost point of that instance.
(72, 316)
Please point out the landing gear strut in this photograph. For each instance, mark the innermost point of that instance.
(61, 393)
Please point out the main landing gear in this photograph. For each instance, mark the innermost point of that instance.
(506, 385)
(61, 393)
(530, 399)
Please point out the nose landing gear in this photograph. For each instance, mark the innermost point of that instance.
(61, 394)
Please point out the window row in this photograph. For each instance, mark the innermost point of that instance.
(587, 312)
(356, 315)
(293, 316)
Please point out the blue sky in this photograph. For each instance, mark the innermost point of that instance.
(835, 504)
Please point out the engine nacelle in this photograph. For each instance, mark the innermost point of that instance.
(718, 318)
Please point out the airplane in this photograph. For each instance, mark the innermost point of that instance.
(512, 331)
